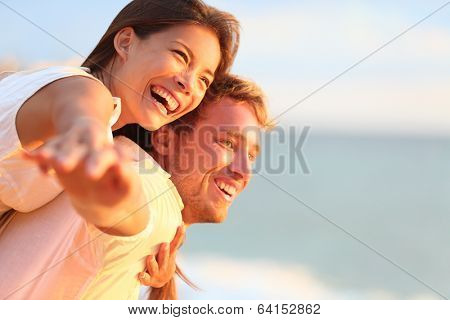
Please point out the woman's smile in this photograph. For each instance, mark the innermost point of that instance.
(164, 100)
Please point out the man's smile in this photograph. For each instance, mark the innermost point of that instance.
(228, 188)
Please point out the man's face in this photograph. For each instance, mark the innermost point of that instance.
(212, 164)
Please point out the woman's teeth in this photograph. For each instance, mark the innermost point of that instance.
(161, 107)
(171, 102)
(227, 188)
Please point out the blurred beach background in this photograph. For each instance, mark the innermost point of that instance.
(369, 218)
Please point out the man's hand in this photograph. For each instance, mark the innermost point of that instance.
(162, 269)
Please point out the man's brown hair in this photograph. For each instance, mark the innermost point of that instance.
(235, 88)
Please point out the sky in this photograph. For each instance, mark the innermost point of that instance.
(291, 48)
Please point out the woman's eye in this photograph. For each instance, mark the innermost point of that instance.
(251, 157)
(182, 55)
(206, 81)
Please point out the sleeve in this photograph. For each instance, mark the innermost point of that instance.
(10, 143)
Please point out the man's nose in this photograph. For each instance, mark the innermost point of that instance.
(185, 82)
(241, 166)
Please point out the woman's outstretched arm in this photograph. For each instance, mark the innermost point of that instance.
(67, 121)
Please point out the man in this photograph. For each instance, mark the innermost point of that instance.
(208, 154)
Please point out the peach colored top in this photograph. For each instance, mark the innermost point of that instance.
(53, 253)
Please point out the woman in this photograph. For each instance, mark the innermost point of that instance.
(158, 61)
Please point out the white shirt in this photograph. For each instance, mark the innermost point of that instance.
(22, 186)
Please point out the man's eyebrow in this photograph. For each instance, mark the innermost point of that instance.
(191, 54)
(240, 136)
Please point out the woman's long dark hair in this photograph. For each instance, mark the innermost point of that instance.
(150, 16)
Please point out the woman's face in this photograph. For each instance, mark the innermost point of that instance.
(164, 76)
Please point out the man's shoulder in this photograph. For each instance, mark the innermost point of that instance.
(156, 183)
(134, 151)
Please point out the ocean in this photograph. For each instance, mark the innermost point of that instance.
(369, 221)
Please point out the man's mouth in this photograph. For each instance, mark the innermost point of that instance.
(228, 190)
(164, 100)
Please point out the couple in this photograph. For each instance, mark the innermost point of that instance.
(208, 161)
(116, 207)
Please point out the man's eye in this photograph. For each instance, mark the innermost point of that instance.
(251, 157)
(182, 55)
(227, 144)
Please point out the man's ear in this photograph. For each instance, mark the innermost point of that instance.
(163, 140)
(123, 41)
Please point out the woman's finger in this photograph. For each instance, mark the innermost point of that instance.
(178, 240)
(44, 153)
(71, 156)
(27, 155)
(99, 162)
(52, 162)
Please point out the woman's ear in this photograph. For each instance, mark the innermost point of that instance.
(123, 41)
(162, 140)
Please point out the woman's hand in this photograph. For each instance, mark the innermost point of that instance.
(86, 144)
(162, 269)
(92, 171)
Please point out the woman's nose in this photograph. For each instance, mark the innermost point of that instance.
(184, 82)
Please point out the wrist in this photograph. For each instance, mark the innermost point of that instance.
(63, 126)
(88, 121)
